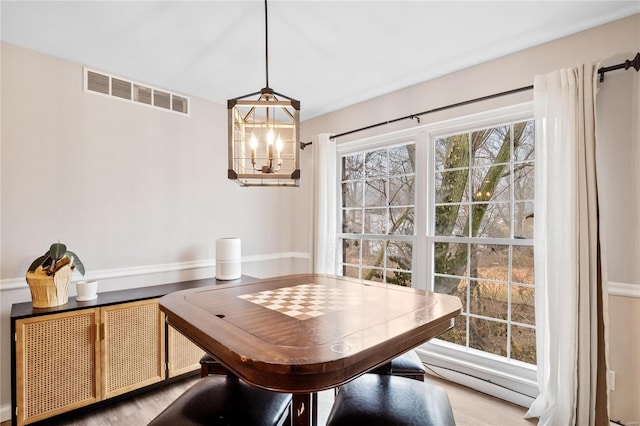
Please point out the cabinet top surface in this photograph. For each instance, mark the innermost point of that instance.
(25, 309)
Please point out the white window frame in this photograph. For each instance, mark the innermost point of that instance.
(370, 236)
(510, 380)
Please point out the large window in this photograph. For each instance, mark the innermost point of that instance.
(450, 208)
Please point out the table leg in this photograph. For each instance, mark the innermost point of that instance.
(314, 411)
(305, 406)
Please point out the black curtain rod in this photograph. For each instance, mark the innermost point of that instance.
(417, 115)
(635, 63)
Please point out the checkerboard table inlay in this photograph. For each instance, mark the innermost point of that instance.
(305, 301)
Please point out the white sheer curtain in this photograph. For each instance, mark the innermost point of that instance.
(324, 204)
(570, 299)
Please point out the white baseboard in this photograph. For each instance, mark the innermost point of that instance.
(5, 412)
(483, 386)
(624, 289)
(509, 382)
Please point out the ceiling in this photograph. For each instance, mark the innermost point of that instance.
(327, 54)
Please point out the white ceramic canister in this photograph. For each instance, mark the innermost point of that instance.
(86, 290)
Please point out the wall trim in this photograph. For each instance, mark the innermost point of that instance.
(624, 289)
(5, 412)
(20, 283)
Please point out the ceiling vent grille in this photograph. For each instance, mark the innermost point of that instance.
(109, 85)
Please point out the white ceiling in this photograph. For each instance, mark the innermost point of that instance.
(327, 54)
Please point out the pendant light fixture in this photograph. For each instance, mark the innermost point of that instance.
(264, 135)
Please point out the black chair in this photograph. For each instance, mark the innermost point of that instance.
(226, 400)
(382, 400)
(406, 365)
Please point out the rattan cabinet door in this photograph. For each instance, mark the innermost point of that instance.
(132, 346)
(57, 360)
(184, 355)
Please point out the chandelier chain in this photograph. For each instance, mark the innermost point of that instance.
(266, 44)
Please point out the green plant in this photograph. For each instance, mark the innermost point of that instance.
(55, 258)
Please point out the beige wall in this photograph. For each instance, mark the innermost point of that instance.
(619, 137)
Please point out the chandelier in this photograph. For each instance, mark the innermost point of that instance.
(264, 135)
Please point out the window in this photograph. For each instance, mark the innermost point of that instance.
(483, 236)
(378, 208)
(449, 207)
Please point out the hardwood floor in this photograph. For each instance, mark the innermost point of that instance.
(473, 408)
(470, 408)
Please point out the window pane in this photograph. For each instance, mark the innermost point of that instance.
(372, 252)
(352, 194)
(375, 193)
(523, 181)
(488, 336)
(523, 220)
(453, 286)
(351, 271)
(375, 221)
(451, 187)
(490, 261)
(402, 191)
(523, 304)
(352, 221)
(490, 183)
(351, 251)
(401, 278)
(489, 299)
(375, 163)
(491, 146)
(452, 152)
(373, 274)
(523, 141)
(399, 255)
(522, 265)
(523, 344)
(402, 160)
(458, 334)
(491, 220)
(452, 220)
(450, 259)
(401, 221)
(352, 166)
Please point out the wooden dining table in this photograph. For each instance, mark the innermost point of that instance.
(306, 333)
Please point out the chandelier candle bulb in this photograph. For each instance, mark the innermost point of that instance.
(253, 144)
(228, 259)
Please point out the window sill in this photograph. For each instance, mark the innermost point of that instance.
(511, 381)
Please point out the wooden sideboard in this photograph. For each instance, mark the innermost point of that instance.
(83, 353)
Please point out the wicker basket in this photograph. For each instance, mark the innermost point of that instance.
(49, 291)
